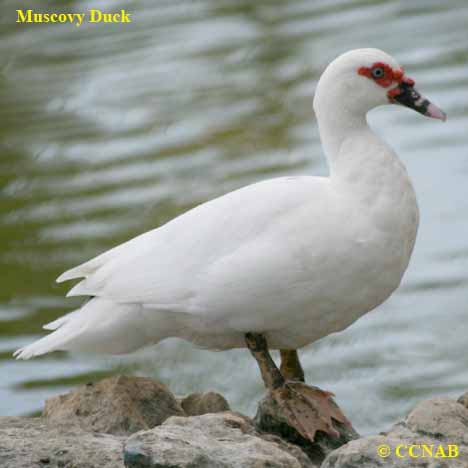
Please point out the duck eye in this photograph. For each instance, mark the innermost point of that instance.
(378, 72)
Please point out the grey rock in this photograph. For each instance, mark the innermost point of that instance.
(119, 405)
(463, 400)
(220, 440)
(440, 419)
(435, 423)
(197, 404)
(269, 419)
(71, 435)
(35, 443)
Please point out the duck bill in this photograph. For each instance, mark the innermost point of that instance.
(406, 95)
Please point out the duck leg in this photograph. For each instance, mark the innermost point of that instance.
(306, 409)
(291, 368)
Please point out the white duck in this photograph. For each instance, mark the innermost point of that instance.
(276, 264)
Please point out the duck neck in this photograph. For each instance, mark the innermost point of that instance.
(339, 128)
(360, 162)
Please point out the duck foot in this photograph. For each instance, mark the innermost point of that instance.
(308, 409)
(305, 409)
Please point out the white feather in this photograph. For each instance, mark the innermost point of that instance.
(60, 321)
(100, 326)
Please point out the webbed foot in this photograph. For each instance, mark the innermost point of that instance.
(308, 409)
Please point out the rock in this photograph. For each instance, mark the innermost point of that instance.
(35, 443)
(119, 405)
(361, 453)
(269, 419)
(198, 431)
(197, 404)
(463, 400)
(440, 424)
(220, 440)
(439, 418)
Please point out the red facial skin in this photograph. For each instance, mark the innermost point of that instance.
(390, 77)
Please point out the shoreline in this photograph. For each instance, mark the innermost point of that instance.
(136, 422)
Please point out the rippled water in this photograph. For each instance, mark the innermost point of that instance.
(107, 131)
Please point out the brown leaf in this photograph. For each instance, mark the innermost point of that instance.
(309, 409)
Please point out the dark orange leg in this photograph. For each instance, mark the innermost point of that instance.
(258, 347)
(291, 366)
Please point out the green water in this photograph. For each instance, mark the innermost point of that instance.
(110, 130)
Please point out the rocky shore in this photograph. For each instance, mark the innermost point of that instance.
(136, 422)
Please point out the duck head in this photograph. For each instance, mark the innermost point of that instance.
(362, 79)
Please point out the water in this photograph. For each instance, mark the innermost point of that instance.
(107, 131)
